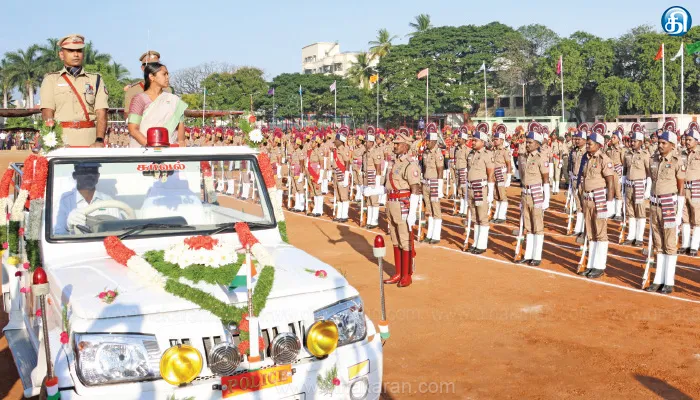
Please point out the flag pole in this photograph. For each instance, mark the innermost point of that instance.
(486, 104)
(663, 81)
(204, 104)
(561, 70)
(335, 104)
(273, 108)
(682, 77)
(301, 100)
(377, 100)
(427, 118)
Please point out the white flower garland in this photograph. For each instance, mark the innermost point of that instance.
(3, 210)
(276, 203)
(183, 256)
(18, 208)
(145, 271)
(34, 223)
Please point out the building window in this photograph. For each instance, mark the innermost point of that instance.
(536, 101)
(308, 71)
(489, 102)
(338, 67)
(518, 101)
(504, 102)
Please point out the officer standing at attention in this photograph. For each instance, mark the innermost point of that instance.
(665, 214)
(433, 163)
(75, 98)
(132, 90)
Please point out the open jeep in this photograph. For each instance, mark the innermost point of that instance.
(157, 314)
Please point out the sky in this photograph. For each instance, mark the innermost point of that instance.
(270, 34)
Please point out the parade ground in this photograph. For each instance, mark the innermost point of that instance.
(481, 327)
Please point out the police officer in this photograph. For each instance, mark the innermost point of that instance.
(75, 98)
(371, 165)
(597, 187)
(314, 173)
(616, 152)
(691, 210)
(461, 154)
(340, 162)
(403, 189)
(503, 171)
(297, 159)
(433, 165)
(575, 158)
(534, 198)
(668, 179)
(637, 188)
(480, 176)
(151, 56)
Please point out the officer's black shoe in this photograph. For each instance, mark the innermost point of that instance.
(666, 289)
(585, 272)
(628, 243)
(618, 218)
(692, 253)
(596, 273)
(343, 220)
(523, 261)
(683, 250)
(639, 243)
(580, 238)
(535, 263)
(478, 251)
(433, 241)
(653, 288)
(471, 249)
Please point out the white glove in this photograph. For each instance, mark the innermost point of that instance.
(491, 190)
(377, 183)
(320, 177)
(611, 209)
(413, 210)
(76, 217)
(508, 178)
(346, 179)
(284, 160)
(680, 202)
(647, 189)
(441, 184)
(547, 194)
(301, 179)
(279, 171)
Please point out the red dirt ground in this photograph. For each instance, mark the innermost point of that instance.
(480, 327)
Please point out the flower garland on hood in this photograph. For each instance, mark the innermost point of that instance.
(269, 178)
(17, 214)
(36, 207)
(178, 281)
(5, 204)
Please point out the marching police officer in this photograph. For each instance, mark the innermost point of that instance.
(691, 212)
(433, 164)
(75, 98)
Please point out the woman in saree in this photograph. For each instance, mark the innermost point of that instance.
(156, 108)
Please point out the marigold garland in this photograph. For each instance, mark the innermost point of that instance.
(28, 172)
(116, 249)
(266, 170)
(201, 242)
(6, 182)
(269, 179)
(40, 175)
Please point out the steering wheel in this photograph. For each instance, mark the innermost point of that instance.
(102, 204)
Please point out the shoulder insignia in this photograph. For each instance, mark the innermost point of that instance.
(609, 165)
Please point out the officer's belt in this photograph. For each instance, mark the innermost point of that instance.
(396, 195)
(689, 184)
(78, 124)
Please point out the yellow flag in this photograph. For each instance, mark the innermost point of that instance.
(373, 78)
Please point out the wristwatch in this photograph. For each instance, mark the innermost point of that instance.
(99, 140)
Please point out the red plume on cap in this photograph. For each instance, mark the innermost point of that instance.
(670, 126)
(636, 127)
(534, 126)
(483, 127)
(157, 137)
(584, 127)
(600, 128)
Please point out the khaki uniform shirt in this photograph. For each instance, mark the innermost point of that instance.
(404, 174)
(597, 168)
(477, 163)
(56, 94)
(343, 156)
(575, 161)
(461, 155)
(433, 160)
(616, 154)
(665, 171)
(357, 155)
(297, 160)
(501, 156)
(372, 159)
(536, 165)
(692, 163)
(636, 164)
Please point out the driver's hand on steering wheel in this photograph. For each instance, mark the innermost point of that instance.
(77, 217)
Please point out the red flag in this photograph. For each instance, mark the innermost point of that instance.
(660, 53)
(422, 74)
(559, 66)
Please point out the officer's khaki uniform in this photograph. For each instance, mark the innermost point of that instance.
(478, 162)
(340, 161)
(357, 154)
(575, 159)
(534, 171)
(501, 159)
(559, 150)
(56, 94)
(616, 155)
(404, 173)
(691, 209)
(597, 168)
(433, 162)
(371, 165)
(665, 174)
(636, 167)
(461, 154)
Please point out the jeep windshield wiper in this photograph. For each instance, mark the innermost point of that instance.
(229, 225)
(153, 226)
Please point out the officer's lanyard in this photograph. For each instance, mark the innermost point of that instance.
(80, 99)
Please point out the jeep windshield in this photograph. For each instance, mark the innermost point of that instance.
(94, 198)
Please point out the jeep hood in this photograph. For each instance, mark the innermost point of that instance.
(80, 283)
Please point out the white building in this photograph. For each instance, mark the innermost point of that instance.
(326, 58)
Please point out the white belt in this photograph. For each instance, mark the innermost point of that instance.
(469, 183)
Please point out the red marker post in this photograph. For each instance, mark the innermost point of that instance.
(40, 287)
(379, 251)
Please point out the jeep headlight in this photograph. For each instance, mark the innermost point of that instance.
(349, 316)
(116, 358)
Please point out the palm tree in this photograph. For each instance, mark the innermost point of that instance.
(361, 70)
(5, 83)
(119, 71)
(25, 69)
(92, 56)
(421, 25)
(380, 47)
(49, 55)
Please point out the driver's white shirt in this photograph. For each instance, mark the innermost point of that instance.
(74, 200)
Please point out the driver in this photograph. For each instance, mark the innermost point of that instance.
(86, 175)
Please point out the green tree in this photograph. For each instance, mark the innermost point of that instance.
(49, 55)
(232, 91)
(25, 69)
(618, 95)
(92, 56)
(420, 24)
(5, 83)
(382, 45)
(115, 88)
(361, 70)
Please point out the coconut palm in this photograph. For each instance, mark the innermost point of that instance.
(5, 83)
(92, 56)
(49, 55)
(25, 69)
(119, 71)
(421, 24)
(380, 47)
(360, 71)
